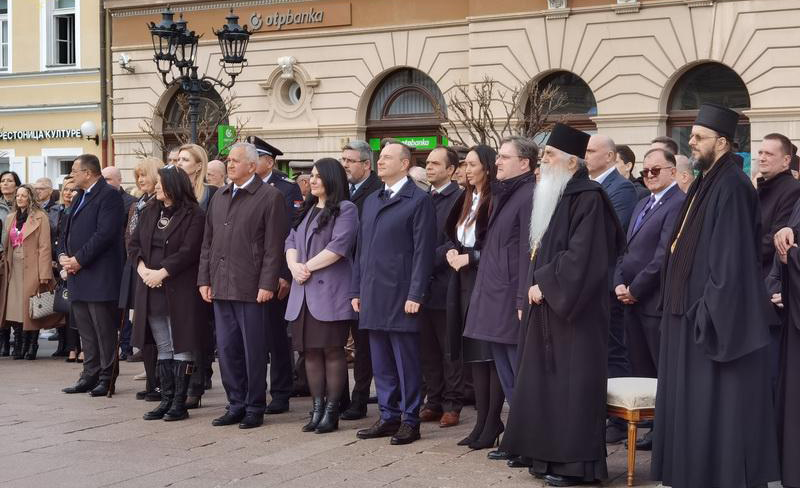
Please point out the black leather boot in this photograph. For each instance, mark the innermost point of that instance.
(61, 349)
(182, 371)
(330, 421)
(33, 344)
(18, 342)
(5, 341)
(317, 411)
(167, 378)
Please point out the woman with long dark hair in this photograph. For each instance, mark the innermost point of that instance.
(466, 228)
(319, 253)
(168, 309)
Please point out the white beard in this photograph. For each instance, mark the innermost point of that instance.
(554, 179)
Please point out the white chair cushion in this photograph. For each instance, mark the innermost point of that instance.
(632, 393)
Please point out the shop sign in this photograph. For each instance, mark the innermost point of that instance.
(39, 135)
(425, 143)
(306, 17)
(226, 136)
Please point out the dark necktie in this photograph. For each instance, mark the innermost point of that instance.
(434, 193)
(233, 193)
(387, 194)
(642, 214)
(352, 189)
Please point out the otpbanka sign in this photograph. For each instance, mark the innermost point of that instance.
(304, 17)
(38, 135)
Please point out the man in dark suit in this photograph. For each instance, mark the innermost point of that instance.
(357, 163)
(391, 274)
(280, 352)
(601, 155)
(240, 262)
(637, 278)
(91, 254)
(443, 377)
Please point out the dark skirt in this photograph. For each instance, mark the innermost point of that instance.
(310, 333)
(459, 293)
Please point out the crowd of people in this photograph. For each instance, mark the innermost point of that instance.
(523, 275)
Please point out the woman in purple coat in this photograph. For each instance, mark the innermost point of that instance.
(318, 252)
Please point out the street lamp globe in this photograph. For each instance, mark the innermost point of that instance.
(163, 36)
(233, 39)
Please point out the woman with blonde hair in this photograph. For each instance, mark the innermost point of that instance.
(28, 264)
(193, 160)
(72, 339)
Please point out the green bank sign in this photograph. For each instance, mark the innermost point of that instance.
(226, 136)
(422, 143)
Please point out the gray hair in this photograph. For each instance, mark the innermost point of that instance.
(363, 148)
(249, 150)
(526, 148)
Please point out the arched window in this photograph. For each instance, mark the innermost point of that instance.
(579, 103)
(176, 129)
(409, 106)
(707, 83)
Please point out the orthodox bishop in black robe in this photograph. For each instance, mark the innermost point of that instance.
(558, 411)
(714, 425)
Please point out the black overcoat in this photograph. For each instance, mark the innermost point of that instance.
(189, 314)
(442, 203)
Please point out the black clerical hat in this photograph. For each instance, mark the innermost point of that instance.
(720, 119)
(263, 147)
(571, 141)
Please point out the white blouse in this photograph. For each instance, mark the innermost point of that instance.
(464, 232)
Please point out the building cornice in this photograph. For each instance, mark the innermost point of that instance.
(75, 107)
(133, 8)
(44, 74)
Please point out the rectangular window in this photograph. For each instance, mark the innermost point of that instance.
(4, 37)
(5, 163)
(62, 33)
(65, 167)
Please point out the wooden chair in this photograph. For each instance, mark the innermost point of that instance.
(633, 400)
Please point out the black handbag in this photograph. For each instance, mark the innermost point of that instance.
(61, 300)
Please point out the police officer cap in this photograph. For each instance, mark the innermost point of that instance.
(571, 141)
(263, 147)
(721, 120)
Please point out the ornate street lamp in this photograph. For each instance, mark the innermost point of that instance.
(175, 46)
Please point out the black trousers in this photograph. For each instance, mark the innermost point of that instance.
(643, 336)
(280, 351)
(362, 364)
(443, 378)
(618, 363)
(98, 325)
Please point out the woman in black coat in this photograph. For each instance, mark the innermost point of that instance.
(168, 309)
(466, 228)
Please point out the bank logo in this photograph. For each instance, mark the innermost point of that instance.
(279, 20)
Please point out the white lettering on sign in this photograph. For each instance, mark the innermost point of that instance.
(38, 135)
(281, 19)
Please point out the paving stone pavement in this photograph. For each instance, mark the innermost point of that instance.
(48, 438)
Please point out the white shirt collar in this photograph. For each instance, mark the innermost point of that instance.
(397, 186)
(441, 189)
(600, 179)
(658, 196)
(356, 186)
(266, 179)
(236, 187)
(88, 190)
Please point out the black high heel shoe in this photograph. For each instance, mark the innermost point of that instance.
(485, 441)
(472, 437)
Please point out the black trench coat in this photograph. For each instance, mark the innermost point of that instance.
(189, 314)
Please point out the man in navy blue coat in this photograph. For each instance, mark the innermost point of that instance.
(637, 279)
(91, 254)
(391, 274)
(601, 154)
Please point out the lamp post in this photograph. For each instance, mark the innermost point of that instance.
(175, 47)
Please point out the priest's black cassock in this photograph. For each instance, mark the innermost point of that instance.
(558, 412)
(714, 426)
(788, 403)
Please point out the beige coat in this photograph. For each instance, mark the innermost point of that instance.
(38, 265)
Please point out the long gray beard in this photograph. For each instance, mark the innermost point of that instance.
(545, 199)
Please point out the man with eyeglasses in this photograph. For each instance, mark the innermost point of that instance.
(637, 279)
(357, 162)
(715, 424)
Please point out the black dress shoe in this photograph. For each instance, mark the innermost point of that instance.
(538, 476)
(355, 411)
(228, 419)
(499, 455)
(406, 434)
(520, 462)
(251, 421)
(82, 386)
(645, 443)
(277, 406)
(558, 480)
(381, 428)
(101, 389)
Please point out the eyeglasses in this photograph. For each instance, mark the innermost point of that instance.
(351, 161)
(654, 172)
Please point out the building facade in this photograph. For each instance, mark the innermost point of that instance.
(322, 72)
(50, 84)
